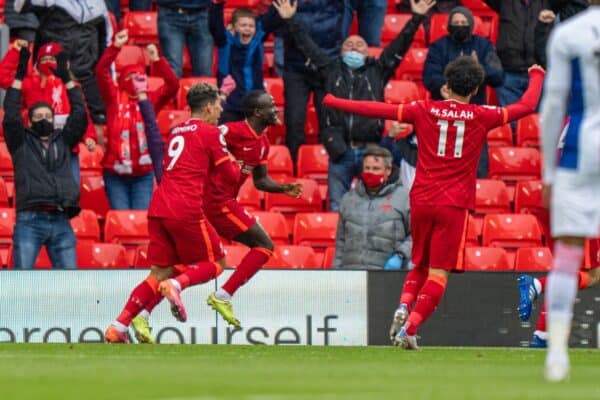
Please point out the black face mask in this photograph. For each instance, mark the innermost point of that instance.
(460, 33)
(42, 128)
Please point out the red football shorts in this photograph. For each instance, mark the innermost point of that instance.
(230, 220)
(182, 242)
(438, 234)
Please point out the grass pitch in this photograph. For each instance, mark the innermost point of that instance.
(188, 372)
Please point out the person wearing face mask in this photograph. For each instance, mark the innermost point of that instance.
(41, 85)
(46, 193)
(127, 163)
(374, 230)
(351, 75)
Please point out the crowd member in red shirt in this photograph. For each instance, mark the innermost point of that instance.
(450, 134)
(41, 85)
(127, 163)
(178, 229)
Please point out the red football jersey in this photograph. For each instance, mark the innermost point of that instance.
(249, 150)
(450, 136)
(193, 151)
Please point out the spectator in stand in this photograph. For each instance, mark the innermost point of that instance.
(515, 45)
(401, 141)
(46, 193)
(461, 41)
(114, 6)
(241, 53)
(374, 229)
(370, 14)
(441, 7)
(22, 26)
(322, 22)
(127, 164)
(84, 30)
(41, 85)
(185, 23)
(352, 75)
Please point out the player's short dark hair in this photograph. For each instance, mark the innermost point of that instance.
(251, 101)
(381, 152)
(202, 94)
(39, 104)
(464, 75)
(242, 13)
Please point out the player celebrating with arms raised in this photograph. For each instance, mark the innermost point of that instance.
(450, 134)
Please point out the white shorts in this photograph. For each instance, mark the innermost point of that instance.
(575, 208)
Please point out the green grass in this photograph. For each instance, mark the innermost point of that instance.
(186, 372)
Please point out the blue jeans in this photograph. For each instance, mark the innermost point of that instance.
(515, 84)
(176, 30)
(36, 228)
(128, 192)
(370, 15)
(341, 174)
(134, 5)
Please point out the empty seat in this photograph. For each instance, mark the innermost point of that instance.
(185, 84)
(398, 92)
(533, 259)
(249, 196)
(528, 196)
(329, 257)
(7, 226)
(511, 231)
(311, 125)
(491, 196)
(473, 232)
(501, 136)
(412, 64)
(90, 163)
(528, 131)
(93, 196)
(168, 119)
(486, 259)
(234, 254)
(275, 225)
(279, 162)
(141, 26)
(140, 260)
(4, 198)
(127, 227)
(101, 255)
(294, 257)
(312, 162)
(315, 229)
(393, 25)
(86, 227)
(514, 163)
(6, 166)
(274, 86)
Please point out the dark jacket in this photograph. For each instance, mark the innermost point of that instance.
(244, 62)
(516, 32)
(444, 50)
(365, 83)
(43, 176)
(322, 20)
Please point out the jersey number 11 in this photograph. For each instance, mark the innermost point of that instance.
(458, 143)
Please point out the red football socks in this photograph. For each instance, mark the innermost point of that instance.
(250, 264)
(413, 283)
(198, 273)
(143, 293)
(427, 301)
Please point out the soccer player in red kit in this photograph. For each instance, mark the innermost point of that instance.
(450, 134)
(179, 232)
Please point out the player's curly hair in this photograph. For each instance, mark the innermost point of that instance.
(250, 102)
(464, 75)
(202, 94)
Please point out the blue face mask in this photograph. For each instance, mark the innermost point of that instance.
(353, 59)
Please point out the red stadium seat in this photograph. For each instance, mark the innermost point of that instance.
(155, 83)
(528, 131)
(101, 255)
(592, 253)
(234, 254)
(294, 257)
(126, 227)
(274, 86)
(7, 226)
(310, 201)
(439, 27)
(329, 257)
(501, 136)
(511, 231)
(528, 196)
(514, 163)
(533, 259)
(6, 166)
(4, 198)
(313, 162)
(90, 163)
(93, 196)
(142, 26)
(86, 227)
(473, 232)
(279, 162)
(491, 196)
(275, 225)
(397, 92)
(185, 84)
(129, 55)
(311, 125)
(167, 119)
(375, 52)
(412, 64)
(486, 259)
(392, 26)
(242, 3)
(315, 229)
(141, 257)
(249, 196)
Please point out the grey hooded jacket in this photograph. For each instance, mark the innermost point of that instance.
(373, 228)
